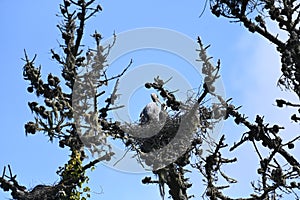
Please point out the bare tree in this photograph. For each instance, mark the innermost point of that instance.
(276, 177)
(55, 115)
(72, 114)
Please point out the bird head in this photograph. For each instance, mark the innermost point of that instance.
(163, 107)
(155, 98)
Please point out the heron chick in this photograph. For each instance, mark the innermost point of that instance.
(151, 110)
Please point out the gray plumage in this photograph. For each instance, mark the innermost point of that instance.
(151, 111)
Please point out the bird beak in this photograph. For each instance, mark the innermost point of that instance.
(157, 99)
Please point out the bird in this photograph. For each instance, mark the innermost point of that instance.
(163, 113)
(151, 112)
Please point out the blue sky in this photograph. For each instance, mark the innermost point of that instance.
(250, 69)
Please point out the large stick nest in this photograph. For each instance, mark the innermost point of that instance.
(166, 141)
